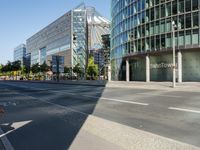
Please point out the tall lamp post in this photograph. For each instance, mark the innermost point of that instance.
(174, 54)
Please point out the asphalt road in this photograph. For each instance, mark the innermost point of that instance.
(49, 116)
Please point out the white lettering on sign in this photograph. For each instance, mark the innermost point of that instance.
(161, 65)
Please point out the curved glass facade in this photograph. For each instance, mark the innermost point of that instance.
(141, 27)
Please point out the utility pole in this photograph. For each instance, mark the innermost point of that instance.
(174, 54)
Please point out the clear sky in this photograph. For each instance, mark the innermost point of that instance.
(20, 19)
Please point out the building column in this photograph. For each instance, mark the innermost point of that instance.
(179, 66)
(109, 72)
(127, 71)
(147, 68)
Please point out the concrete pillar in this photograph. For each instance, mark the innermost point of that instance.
(179, 67)
(147, 69)
(127, 71)
(109, 72)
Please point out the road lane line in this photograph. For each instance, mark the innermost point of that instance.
(150, 94)
(124, 101)
(5, 141)
(118, 100)
(184, 109)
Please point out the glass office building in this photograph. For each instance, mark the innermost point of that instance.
(142, 40)
(20, 52)
(69, 36)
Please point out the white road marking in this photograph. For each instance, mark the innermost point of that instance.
(150, 94)
(5, 141)
(124, 101)
(184, 109)
(118, 100)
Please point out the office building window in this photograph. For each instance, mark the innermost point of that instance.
(195, 4)
(195, 36)
(188, 37)
(188, 20)
(168, 9)
(195, 19)
(181, 38)
(188, 5)
(181, 6)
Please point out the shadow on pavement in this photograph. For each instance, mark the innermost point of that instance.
(54, 113)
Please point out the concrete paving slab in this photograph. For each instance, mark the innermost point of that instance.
(122, 137)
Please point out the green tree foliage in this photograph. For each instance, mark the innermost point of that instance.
(78, 70)
(44, 67)
(35, 68)
(25, 70)
(67, 69)
(16, 65)
(1, 68)
(92, 69)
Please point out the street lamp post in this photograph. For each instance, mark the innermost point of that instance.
(174, 53)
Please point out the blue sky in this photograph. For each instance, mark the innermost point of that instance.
(20, 19)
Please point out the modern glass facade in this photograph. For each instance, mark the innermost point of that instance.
(144, 27)
(20, 52)
(67, 36)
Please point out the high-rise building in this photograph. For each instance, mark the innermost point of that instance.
(71, 36)
(20, 52)
(142, 40)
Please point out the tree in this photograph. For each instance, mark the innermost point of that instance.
(67, 69)
(92, 69)
(78, 70)
(44, 67)
(35, 68)
(16, 65)
(1, 68)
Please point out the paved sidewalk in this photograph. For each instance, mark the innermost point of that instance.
(101, 134)
(185, 86)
